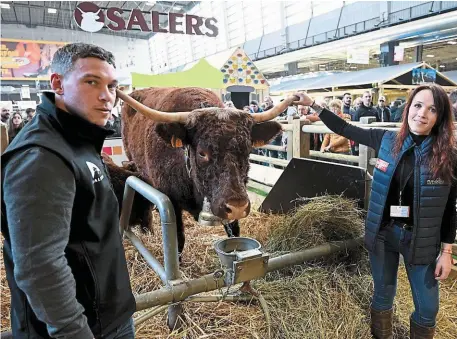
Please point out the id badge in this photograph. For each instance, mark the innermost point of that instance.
(399, 211)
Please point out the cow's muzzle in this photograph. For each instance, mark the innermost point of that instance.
(237, 209)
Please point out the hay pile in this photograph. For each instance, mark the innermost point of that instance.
(323, 299)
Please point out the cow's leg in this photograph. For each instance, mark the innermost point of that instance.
(146, 219)
(232, 229)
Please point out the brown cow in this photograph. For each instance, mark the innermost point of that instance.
(192, 155)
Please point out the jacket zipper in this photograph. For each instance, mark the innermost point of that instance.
(108, 176)
(97, 292)
(417, 166)
(390, 182)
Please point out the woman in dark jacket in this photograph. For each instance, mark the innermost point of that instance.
(412, 205)
(15, 124)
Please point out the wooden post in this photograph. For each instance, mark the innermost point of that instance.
(301, 143)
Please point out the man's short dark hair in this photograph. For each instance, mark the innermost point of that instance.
(347, 93)
(66, 56)
(254, 102)
(29, 110)
(453, 97)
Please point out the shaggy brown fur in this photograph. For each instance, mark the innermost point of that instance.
(118, 175)
(218, 140)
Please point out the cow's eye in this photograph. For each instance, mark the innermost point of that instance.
(203, 155)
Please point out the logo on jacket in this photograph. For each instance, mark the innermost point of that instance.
(382, 165)
(438, 181)
(97, 175)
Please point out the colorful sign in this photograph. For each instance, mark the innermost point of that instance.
(240, 70)
(91, 18)
(27, 59)
(423, 75)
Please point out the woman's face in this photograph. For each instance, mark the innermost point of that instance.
(17, 119)
(422, 114)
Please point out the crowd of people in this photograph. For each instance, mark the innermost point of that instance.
(344, 107)
(15, 121)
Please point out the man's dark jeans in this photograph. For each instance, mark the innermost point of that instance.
(393, 240)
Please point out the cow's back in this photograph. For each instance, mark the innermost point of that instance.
(157, 160)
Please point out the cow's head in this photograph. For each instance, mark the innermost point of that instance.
(218, 142)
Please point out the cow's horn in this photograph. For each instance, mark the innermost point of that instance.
(275, 111)
(152, 113)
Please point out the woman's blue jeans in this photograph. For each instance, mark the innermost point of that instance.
(393, 240)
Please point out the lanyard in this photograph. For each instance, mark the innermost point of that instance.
(402, 186)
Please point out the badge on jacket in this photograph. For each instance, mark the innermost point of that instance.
(382, 165)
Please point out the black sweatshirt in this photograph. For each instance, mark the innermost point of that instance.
(372, 138)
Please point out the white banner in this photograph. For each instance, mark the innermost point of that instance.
(358, 56)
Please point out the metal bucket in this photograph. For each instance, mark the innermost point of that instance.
(236, 249)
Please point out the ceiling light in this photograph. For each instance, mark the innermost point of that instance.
(5, 6)
(430, 56)
(452, 42)
(52, 10)
(442, 66)
(354, 67)
(151, 3)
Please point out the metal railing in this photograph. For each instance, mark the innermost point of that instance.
(412, 13)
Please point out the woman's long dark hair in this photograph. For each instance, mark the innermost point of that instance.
(444, 154)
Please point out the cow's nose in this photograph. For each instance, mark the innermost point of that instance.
(237, 209)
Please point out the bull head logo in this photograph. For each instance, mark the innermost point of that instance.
(89, 21)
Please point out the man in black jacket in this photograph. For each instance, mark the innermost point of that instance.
(366, 108)
(383, 112)
(64, 259)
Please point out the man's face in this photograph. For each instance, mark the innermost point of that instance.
(382, 101)
(88, 90)
(254, 108)
(30, 115)
(366, 99)
(5, 114)
(302, 110)
(347, 99)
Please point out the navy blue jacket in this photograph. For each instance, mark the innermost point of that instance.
(430, 199)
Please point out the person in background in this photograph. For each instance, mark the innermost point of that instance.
(4, 140)
(114, 123)
(357, 104)
(383, 112)
(15, 125)
(254, 106)
(268, 103)
(229, 104)
(347, 109)
(366, 108)
(332, 142)
(63, 253)
(5, 114)
(303, 111)
(412, 205)
(247, 109)
(30, 113)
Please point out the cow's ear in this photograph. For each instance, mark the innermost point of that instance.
(174, 134)
(263, 132)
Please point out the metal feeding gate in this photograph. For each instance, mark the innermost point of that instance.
(241, 260)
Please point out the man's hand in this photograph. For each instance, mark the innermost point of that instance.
(443, 266)
(304, 99)
(327, 149)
